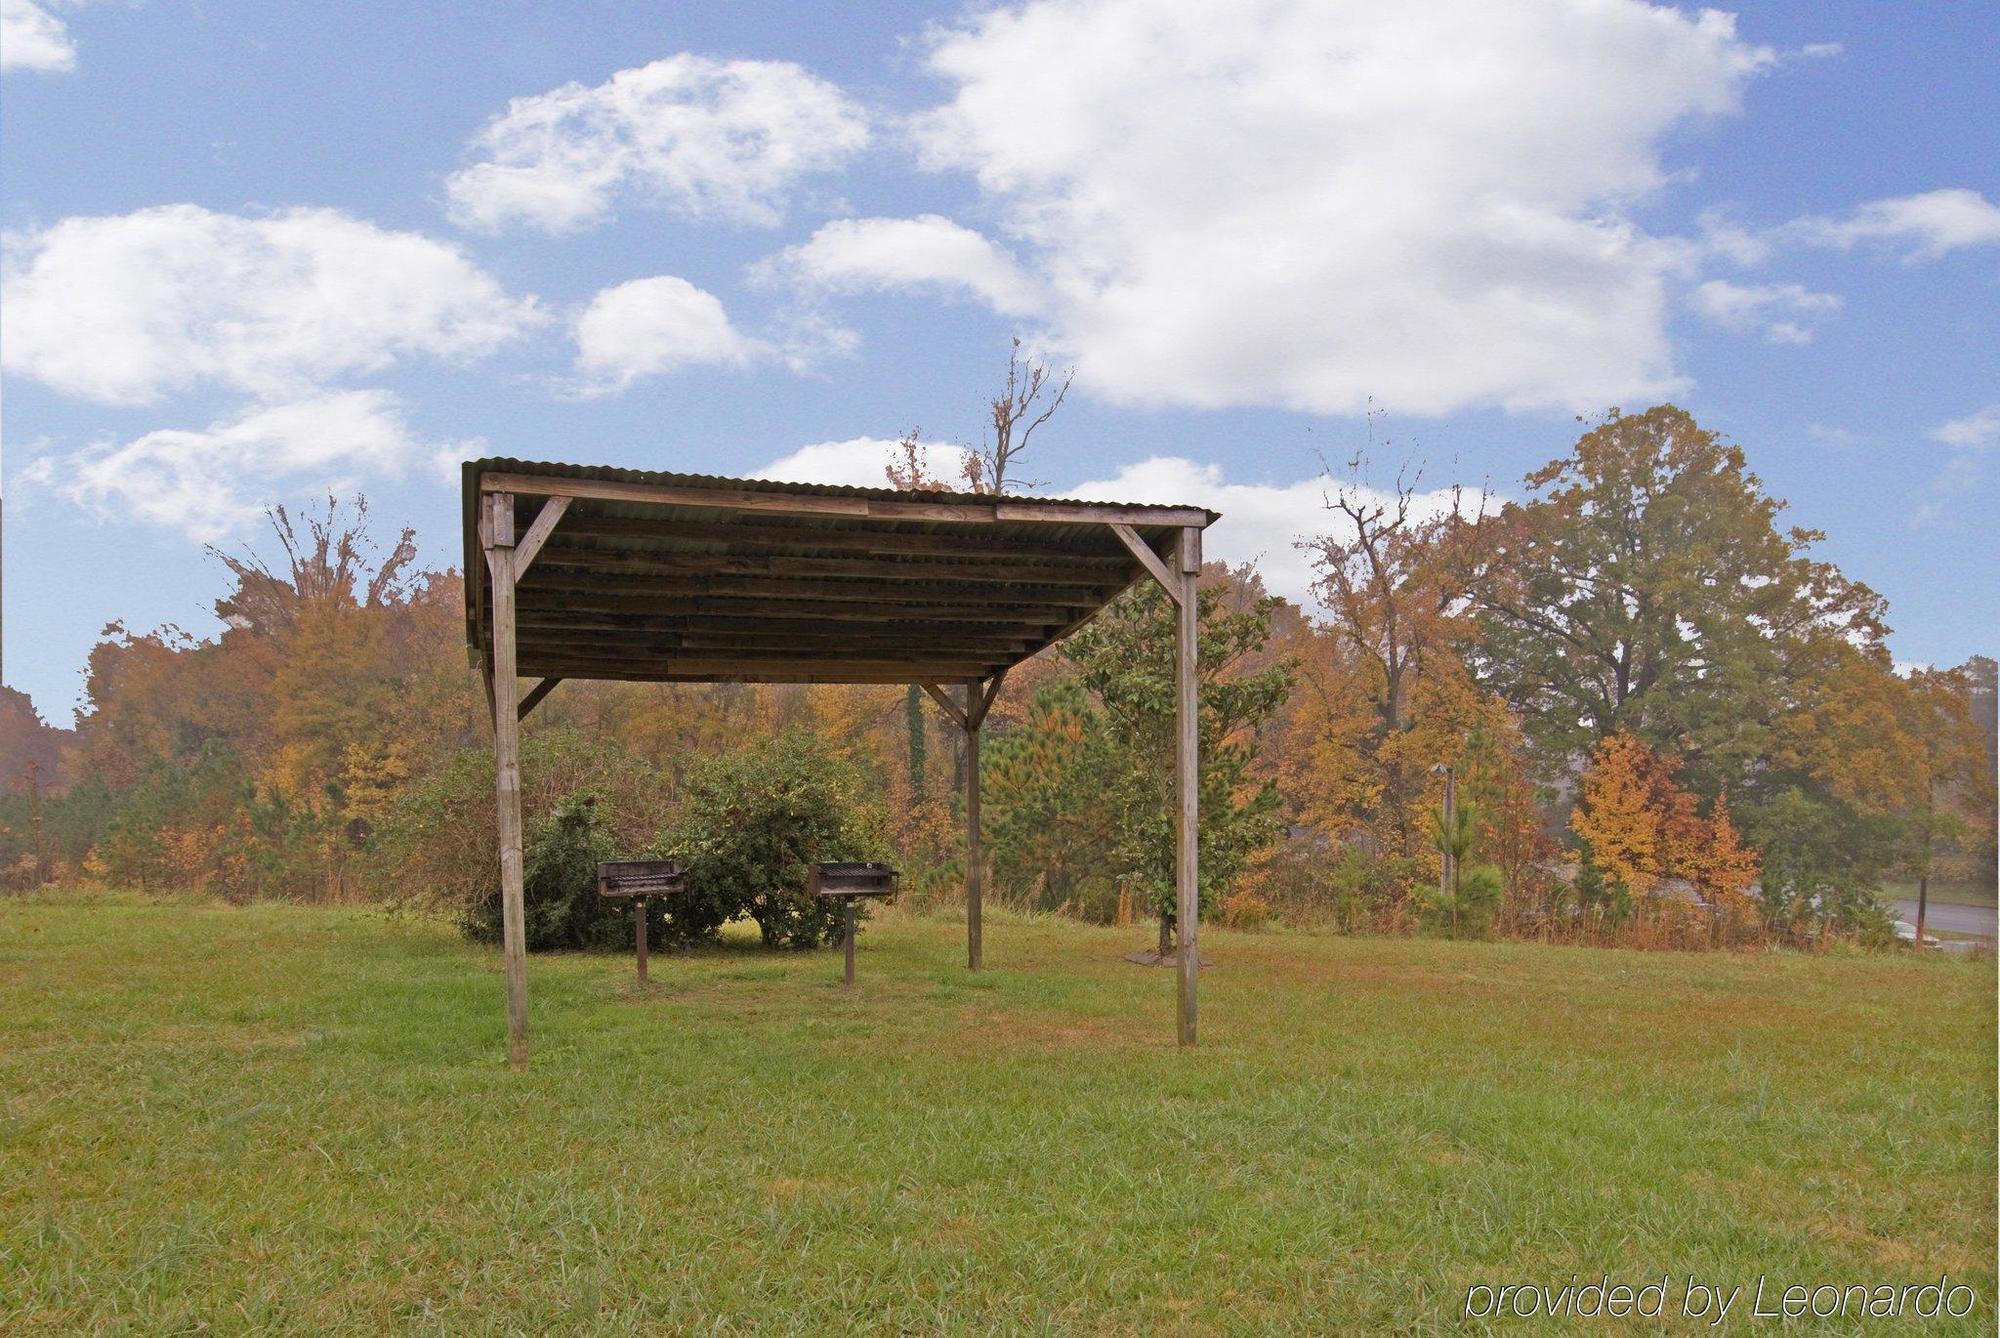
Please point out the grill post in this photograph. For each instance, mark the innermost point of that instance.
(848, 940)
(639, 925)
(849, 880)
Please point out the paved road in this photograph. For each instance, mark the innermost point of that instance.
(1955, 919)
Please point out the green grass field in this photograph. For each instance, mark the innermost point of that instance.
(286, 1118)
(1946, 893)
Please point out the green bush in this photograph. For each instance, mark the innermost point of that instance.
(748, 825)
(560, 905)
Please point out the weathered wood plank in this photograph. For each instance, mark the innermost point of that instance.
(831, 610)
(898, 669)
(938, 590)
(1149, 559)
(751, 536)
(670, 643)
(778, 671)
(538, 534)
(973, 510)
(1187, 775)
(507, 765)
(540, 651)
(536, 693)
(987, 697)
(945, 703)
(928, 568)
(975, 870)
(901, 629)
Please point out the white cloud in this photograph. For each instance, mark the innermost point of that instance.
(926, 252)
(1744, 307)
(649, 327)
(1719, 236)
(1969, 438)
(704, 138)
(123, 308)
(1262, 523)
(859, 462)
(210, 482)
(1312, 203)
(1925, 226)
(31, 38)
(1975, 431)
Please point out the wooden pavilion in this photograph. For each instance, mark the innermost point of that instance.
(593, 572)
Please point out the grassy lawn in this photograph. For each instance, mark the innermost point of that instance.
(1946, 894)
(285, 1118)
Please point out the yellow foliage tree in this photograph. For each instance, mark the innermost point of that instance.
(1616, 813)
(1720, 864)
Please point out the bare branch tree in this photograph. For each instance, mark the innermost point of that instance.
(1016, 412)
(327, 561)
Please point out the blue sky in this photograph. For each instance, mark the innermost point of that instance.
(255, 250)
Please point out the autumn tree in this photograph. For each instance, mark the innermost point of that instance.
(1386, 699)
(1648, 590)
(1640, 828)
(1720, 865)
(1617, 817)
(1124, 659)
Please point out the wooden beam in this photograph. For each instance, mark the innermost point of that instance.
(538, 534)
(830, 611)
(889, 669)
(776, 672)
(507, 766)
(1087, 513)
(945, 703)
(971, 511)
(907, 633)
(556, 646)
(936, 592)
(985, 697)
(749, 535)
(828, 636)
(1149, 559)
(1187, 775)
(979, 571)
(535, 695)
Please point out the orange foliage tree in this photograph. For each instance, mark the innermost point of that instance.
(1640, 828)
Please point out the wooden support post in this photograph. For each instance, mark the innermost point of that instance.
(507, 764)
(1187, 774)
(975, 875)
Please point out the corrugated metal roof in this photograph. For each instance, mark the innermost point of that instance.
(1057, 539)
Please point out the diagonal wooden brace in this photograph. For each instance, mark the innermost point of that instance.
(1151, 560)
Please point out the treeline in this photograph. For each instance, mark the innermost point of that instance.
(1629, 707)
